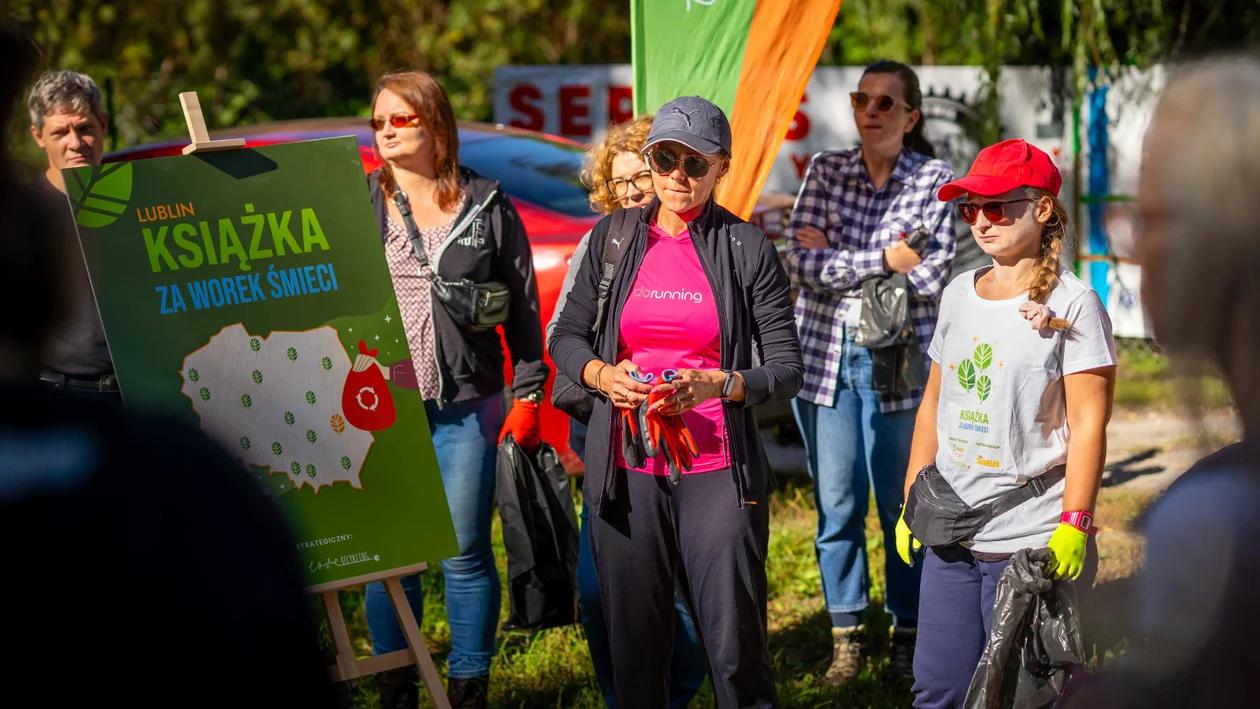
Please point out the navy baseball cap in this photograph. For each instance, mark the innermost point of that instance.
(693, 121)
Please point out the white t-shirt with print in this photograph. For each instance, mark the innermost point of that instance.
(1002, 417)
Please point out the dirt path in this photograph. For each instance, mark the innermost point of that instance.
(1148, 449)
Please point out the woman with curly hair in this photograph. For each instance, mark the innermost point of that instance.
(617, 176)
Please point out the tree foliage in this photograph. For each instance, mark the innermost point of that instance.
(253, 62)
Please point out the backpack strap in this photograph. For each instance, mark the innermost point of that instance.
(616, 244)
(1033, 488)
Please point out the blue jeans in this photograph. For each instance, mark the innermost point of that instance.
(464, 437)
(957, 619)
(688, 665)
(852, 448)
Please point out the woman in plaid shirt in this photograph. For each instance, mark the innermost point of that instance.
(853, 210)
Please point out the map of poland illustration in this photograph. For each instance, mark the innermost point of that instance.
(276, 401)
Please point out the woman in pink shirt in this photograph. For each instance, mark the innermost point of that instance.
(671, 364)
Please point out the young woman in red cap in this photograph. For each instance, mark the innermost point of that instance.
(1023, 364)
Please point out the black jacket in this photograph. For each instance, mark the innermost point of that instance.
(754, 308)
(488, 243)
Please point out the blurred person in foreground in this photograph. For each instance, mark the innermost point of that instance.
(1198, 244)
(618, 176)
(140, 561)
(68, 123)
(698, 291)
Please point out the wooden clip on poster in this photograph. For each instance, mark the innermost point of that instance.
(196, 121)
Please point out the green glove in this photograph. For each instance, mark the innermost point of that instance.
(906, 543)
(1068, 544)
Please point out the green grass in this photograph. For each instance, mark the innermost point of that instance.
(553, 668)
(1151, 379)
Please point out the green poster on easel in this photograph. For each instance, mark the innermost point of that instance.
(246, 291)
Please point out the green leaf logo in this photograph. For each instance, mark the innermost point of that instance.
(245, 442)
(277, 448)
(254, 344)
(345, 462)
(983, 357)
(984, 387)
(246, 401)
(205, 394)
(193, 375)
(256, 376)
(967, 375)
(310, 470)
(292, 355)
(326, 363)
(310, 398)
(310, 435)
(288, 417)
(99, 194)
(295, 467)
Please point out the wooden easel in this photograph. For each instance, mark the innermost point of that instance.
(348, 666)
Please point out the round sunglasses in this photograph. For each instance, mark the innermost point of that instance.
(883, 103)
(694, 166)
(993, 211)
(620, 186)
(398, 120)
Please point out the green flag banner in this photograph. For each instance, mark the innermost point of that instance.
(246, 291)
(750, 57)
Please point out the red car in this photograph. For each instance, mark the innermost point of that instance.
(538, 172)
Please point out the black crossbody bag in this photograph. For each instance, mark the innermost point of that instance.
(567, 395)
(938, 517)
(475, 307)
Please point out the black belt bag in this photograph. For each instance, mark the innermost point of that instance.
(475, 307)
(938, 517)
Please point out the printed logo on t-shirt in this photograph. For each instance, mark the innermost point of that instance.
(973, 375)
(693, 296)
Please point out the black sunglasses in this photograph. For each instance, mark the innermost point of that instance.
(993, 211)
(883, 103)
(619, 186)
(664, 162)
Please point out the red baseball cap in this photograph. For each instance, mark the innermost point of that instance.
(1003, 167)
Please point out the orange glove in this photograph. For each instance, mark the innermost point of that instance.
(679, 447)
(651, 424)
(631, 440)
(525, 425)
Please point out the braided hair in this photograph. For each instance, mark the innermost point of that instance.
(1056, 236)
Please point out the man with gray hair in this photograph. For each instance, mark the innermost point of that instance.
(68, 122)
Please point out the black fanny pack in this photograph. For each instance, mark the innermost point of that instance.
(938, 517)
(475, 307)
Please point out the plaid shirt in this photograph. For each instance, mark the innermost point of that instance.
(837, 198)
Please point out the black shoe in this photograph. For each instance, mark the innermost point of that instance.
(400, 688)
(901, 653)
(468, 692)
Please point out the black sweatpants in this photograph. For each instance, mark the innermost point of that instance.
(694, 537)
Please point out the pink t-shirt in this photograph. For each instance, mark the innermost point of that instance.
(670, 321)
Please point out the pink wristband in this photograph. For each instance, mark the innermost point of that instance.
(1080, 519)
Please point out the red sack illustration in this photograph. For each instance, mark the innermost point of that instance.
(365, 399)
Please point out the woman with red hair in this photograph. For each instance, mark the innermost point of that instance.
(443, 222)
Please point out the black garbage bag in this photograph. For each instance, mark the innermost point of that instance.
(540, 533)
(1036, 638)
